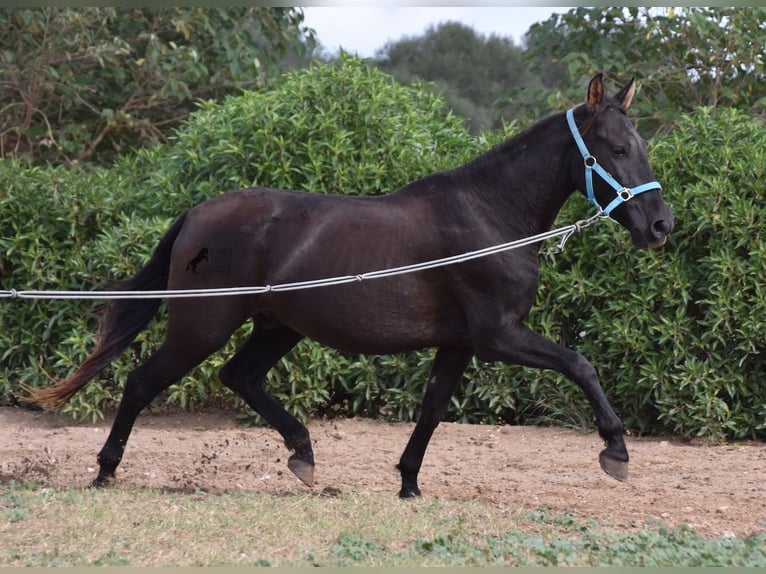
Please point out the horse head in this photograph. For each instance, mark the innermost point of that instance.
(613, 166)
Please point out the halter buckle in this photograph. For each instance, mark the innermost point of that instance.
(625, 194)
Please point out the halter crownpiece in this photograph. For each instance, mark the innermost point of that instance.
(623, 193)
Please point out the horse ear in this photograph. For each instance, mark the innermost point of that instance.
(595, 91)
(625, 95)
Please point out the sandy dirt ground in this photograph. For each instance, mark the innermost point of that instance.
(718, 490)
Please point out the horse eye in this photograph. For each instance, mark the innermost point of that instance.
(620, 151)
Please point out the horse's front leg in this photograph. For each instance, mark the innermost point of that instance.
(446, 372)
(520, 345)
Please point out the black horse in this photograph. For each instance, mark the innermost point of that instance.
(262, 236)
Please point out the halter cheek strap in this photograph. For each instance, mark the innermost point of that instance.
(623, 193)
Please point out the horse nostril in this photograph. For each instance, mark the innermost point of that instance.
(661, 228)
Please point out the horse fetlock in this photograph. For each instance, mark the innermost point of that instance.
(409, 491)
(301, 463)
(299, 442)
(102, 480)
(611, 429)
(409, 482)
(613, 436)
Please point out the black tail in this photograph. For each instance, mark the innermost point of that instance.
(123, 321)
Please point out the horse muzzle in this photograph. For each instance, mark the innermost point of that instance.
(655, 235)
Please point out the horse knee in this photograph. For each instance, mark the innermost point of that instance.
(226, 376)
(232, 378)
(581, 369)
(585, 375)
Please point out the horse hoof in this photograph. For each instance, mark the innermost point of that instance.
(615, 468)
(101, 482)
(409, 493)
(302, 469)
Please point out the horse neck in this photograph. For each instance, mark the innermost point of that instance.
(524, 182)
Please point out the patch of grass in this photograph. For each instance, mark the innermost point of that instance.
(656, 545)
(72, 527)
(14, 506)
(566, 542)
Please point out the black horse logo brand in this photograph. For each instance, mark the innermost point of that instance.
(200, 257)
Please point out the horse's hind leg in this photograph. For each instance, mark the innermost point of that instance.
(245, 374)
(446, 372)
(178, 355)
(144, 383)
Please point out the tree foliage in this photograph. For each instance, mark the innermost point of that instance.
(88, 83)
(682, 58)
(470, 70)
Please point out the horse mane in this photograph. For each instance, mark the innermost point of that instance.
(514, 145)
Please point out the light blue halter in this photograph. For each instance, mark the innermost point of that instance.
(623, 193)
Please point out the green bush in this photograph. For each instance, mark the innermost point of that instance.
(341, 129)
(676, 334)
(715, 164)
(63, 230)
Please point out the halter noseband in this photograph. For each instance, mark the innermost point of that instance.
(623, 193)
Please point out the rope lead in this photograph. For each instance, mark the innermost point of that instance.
(565, 233)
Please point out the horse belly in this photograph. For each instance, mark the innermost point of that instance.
(385, 319)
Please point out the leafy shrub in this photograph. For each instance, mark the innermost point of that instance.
(676, 334)
(64, 230)
(341, 129)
